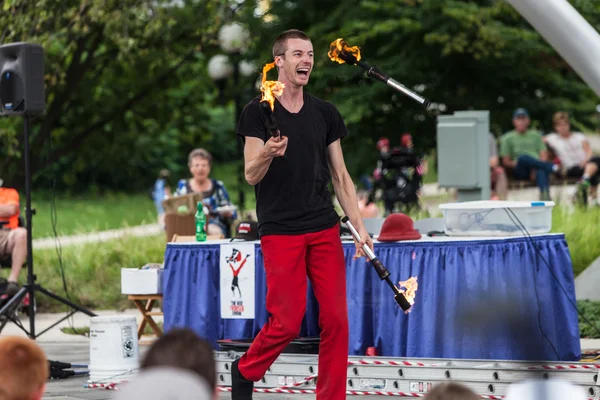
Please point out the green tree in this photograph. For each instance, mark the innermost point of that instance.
(126, 87)
(460, 54)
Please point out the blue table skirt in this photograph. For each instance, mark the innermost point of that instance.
(477, 299)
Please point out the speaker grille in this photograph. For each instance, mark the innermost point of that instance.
(11, 92)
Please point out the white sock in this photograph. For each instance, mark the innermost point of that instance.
(555, 167)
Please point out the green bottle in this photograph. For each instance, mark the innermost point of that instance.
(200, 223)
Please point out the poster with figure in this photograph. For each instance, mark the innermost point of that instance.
(237, 280)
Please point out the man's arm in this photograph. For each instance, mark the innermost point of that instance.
(345, 192)
(587, 149)
(505, 152)
(258, 156)
(8, 210)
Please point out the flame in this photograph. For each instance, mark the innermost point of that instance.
(340, 45)
(270, 89)
(410, 288)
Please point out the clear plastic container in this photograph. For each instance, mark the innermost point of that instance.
(497, 218)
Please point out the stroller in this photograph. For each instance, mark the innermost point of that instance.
(398, 181)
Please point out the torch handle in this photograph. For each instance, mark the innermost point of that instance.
(354, 232)
(375, 262)
(375, 73)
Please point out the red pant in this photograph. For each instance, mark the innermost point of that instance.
(288, 260)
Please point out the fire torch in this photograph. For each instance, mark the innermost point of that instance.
(404, 298)
(342, 53)
(269, 90)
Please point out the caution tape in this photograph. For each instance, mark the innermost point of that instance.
(391, 362)
(348, 392)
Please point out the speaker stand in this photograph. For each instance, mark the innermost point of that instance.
(9, 310)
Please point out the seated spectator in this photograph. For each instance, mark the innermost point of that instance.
(451, 391)
(523, 151)
(497, 175)
(24, 369)
(213, 191)
(182, 348)
(368, 209)
(575, 155)
(13, 239)
(160, 192)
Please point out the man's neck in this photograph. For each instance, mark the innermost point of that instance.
(521, 132)
(566, 135)
(292, 98)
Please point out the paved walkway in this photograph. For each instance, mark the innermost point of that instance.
(95, 237)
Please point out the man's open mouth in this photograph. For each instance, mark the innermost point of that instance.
(302, 71)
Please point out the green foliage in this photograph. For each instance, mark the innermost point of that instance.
(461, 54)
(591, 310)
(127, 89)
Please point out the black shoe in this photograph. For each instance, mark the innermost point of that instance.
(11, 289)
(241, 388)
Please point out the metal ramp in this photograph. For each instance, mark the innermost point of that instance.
(412, 377)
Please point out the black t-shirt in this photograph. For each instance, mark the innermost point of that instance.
(293, 197)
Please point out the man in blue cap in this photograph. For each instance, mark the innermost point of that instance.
(523, 150)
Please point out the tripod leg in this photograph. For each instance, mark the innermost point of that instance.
(18, 297)
(65, 301)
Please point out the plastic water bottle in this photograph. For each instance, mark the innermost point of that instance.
(200, 223)
(181, 188)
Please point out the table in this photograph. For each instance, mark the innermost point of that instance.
(488, 298)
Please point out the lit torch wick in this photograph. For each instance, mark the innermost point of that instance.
(342, 53)
(269, 90)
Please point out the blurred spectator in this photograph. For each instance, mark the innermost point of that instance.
(406, 141)
(13, 238)
(183, 348)
(24, 369)
(161, 190)
(214, 194)
(497, 175)
(575, 155)
(451, 391)
(368, 209)
(165, 383)
(523, 151)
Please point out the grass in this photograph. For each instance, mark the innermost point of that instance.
(85, 214)
(582, 230)
(93, 271)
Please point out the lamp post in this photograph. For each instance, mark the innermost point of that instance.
(233, 40)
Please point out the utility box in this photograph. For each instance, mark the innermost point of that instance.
(463, 151)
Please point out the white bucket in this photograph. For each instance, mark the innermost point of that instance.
(114, 351)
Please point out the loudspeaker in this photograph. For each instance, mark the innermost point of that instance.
(21, 79)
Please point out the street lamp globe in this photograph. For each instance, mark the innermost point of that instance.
(234, 38)
(247, 68)
(219, 67)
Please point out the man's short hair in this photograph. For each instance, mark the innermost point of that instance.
(183, 348)
(23, 368)
(200, 153)
(280, 45)
(560, 116)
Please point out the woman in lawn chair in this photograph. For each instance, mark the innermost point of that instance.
(215, 196)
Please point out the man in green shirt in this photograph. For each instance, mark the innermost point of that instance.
(524, 151)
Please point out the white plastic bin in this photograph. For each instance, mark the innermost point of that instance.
(497, 218)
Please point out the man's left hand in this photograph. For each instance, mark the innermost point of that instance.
(364, 238)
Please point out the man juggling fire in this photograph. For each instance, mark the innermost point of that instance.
(292, 151)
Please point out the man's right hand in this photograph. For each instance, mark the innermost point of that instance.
(276, 146)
